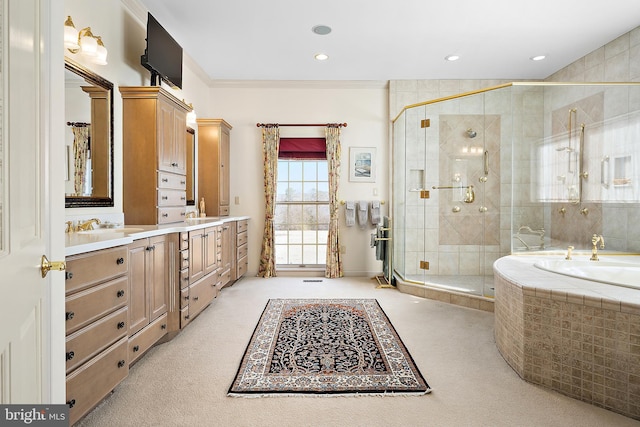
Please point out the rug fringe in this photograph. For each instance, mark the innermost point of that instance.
(258, 395)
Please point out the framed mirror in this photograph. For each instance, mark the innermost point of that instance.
(88, 138)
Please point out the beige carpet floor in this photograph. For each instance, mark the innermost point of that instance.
(184, 382)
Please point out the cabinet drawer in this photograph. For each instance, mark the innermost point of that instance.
(168, 215)
(146, 338)
(223, 210)
(91, 340)
(172, 198)
(172, 180)
(184, 241)
(90, 268)
(184, 297)
(184, 259)
(241, 238)
(242, 266)
(242, 251)
(202, 293)
(89, 305)
(242, 225)
(90, 383)
(184, 278)
(184, 317)
(225, 277)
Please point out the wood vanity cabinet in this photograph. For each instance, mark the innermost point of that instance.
(148, 294)
(227, 246)
(154, 155)
(96, 307)
(241, 249)
(202, 272)
(214, 138)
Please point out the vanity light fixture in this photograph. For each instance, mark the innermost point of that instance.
(84, 42)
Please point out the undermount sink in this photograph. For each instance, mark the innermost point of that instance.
(123, 230)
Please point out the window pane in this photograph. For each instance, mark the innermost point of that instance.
(282, 254)
(295, 254)
(310, 171)
(280, 237)
(323, 192)
(295, 171)
(310, 254)
(294, 192)
(310, 237)
(323, 171)
(310, 191)
(283, 171)
(280, 216)
(295, 236)
(323, 215)
(310, 215)
(295, 216)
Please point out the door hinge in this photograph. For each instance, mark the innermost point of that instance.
(424, 265)
(425, 123)
(424, 194)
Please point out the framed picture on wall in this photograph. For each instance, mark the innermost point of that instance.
(362, 164)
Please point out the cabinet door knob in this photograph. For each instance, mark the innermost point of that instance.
(71, 403)
(120, 325)
(186, 298)
(165, 198)
(174, 164)
(195, 298)
(121, 363)
(120, 261)
(68, 275)
(165, 180)
(164, 215)
(69, 315)
(163, 326)
(136, 348)
(186, 316)
(70, 355)
(120, 293)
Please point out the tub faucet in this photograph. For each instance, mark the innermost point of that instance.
(595, 239)
(569, 249)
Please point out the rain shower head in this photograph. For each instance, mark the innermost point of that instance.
(471, 133)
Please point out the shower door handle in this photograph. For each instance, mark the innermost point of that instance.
(486, 162)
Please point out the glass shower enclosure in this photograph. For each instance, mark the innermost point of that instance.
(516, 168)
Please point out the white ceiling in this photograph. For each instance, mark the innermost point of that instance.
(391, 39)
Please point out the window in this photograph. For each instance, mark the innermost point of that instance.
(302, 213)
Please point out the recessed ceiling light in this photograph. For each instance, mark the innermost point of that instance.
(321, 56)
(452, 57)
(538, 57)
(321, 30)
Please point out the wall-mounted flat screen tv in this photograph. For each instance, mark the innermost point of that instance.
(163, 55)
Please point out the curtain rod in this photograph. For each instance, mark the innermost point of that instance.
(338, 125)
(78, 124)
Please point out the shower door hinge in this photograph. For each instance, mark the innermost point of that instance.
(424, 194)
(424, 265)
(425, 123)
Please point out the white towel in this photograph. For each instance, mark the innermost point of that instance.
(350, 213)
(363, 213)
(375, 212)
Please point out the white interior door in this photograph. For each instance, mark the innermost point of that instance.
(31, 324)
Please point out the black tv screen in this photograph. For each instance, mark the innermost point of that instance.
(163, 55)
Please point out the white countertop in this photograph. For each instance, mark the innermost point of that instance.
(80, 242)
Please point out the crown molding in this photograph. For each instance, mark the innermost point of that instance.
(300, 84)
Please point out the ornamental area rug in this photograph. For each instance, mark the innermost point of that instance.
(326, 347)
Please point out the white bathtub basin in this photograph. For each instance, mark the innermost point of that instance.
(612, 272)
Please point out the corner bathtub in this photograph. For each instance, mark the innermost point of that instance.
(572, 326)
(614, 273)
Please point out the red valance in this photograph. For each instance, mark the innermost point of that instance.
(303, 148)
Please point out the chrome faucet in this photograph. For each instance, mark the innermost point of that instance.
(595, 239)
(87, 225)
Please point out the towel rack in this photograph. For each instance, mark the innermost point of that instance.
(342, 202)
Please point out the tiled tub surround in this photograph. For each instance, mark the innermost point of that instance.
(578, 337)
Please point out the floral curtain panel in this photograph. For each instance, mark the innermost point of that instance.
(80, 156)
(334, 263)
(270, 142)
